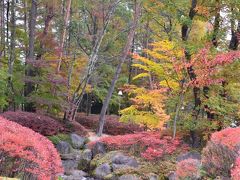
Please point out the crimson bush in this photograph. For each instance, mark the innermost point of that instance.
(222, 152)
(27, 154)
(188, 169)
(39, 123)
(151, 145)
(112, 125)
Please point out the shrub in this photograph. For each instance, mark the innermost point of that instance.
(150, 145)
(188, 169)
(25, 153)
(235, 172)
(221, 152)
(112, 125)
(38, 123)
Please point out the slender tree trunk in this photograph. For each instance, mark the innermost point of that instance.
(66, 19)
(29, 86)
(11, 55)
(2, 21)
(196, 91)
(77, 98)
(119, 67)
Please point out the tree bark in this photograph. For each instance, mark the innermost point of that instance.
(119, 67)
(29, 86)
(66, 19)
(77, 98)
(196, 91)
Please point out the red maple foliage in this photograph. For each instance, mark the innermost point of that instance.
(235, 172)
(152, 145)
(221, 152)
(32, 153)
(206, 66)
(112, 125)
(39, 123)
(188, 169)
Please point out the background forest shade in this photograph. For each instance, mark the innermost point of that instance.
(182, 68)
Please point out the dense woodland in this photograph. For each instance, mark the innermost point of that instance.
(155, 78)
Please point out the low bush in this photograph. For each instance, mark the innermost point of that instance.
(221, 153)
(26, 154)
(112, 125)
(150, 145)
(235, 172)
(188, 169)
(39, 123)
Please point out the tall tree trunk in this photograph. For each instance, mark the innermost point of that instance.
(29, 86)
(66, 19)
(2, 21)
(77, 98)
(11, 53)
(119, 67)
(196, 91)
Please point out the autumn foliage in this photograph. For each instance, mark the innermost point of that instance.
(37, 122)
(150, 145)
(222, 152)
(112, 125)
(188, 169)
(29, 153)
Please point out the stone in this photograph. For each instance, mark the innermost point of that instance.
(120, 161)
(63, 147)
(69, 165)
(128, 177)
(87, 154)
(71, 177)
(153, 176)
(189, 155)
(85, 159)
(172, 176)
(98, 148)
(102, 170)
(78, 173)
(78, 142)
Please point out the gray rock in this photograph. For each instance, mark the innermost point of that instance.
(71, 177)
(77, 141)
(102, 170)
(85, 159)
(120, 161)
(153, 176)
(128, 177)
(172, 176)
(68, 156)
(78, 173)
(69, 165)
(188, 155)
(63, 147)
(87, 154)
(98, 148)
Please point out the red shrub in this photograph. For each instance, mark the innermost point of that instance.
(152, 145)
(28, 151)
(221, 152)
(112, 125)
(188, 169)
(38, 123)
(235, 172)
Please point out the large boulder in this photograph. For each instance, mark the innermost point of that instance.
(98, 148)
(78, 142)
(63, 147)
(120, 161)
(102, 171)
